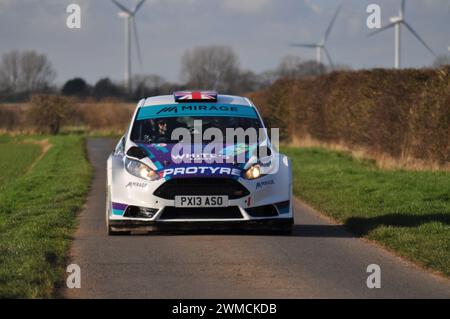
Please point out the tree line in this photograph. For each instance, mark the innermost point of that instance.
(24, 73)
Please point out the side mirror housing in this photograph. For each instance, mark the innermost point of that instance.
(136, 152)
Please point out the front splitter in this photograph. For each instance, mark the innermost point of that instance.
(283, 224)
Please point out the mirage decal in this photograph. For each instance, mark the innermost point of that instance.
(211, 109)
(137, 184)
(265, 183)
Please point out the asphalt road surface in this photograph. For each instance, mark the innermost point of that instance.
(320, 260)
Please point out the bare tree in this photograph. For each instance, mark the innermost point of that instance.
(211, 67)
(36, 71)
(295, 68)
(25, 71)
(10, 71)
(150, 81)
(441, 61)
(267, 78)
(47, 113)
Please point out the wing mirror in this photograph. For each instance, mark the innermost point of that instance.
(136, 152)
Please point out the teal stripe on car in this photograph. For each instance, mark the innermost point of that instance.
(158, 165)
(196, 109)
(117, 212)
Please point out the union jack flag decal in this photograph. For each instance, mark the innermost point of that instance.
(188, 96)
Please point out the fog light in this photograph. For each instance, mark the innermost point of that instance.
(140, 212)
(147, 212)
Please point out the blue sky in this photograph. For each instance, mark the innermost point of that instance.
(258, 30)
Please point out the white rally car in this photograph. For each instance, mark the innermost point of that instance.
(156, 179)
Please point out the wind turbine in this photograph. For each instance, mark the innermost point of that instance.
(130, 23)
(321, 46)
(397, 23)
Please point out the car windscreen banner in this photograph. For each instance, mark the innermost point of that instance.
(192, 109)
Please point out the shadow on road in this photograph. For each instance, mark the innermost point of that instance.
(319, 231)
(362, 226)
(325, 231)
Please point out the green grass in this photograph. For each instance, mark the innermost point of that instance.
(38, 210)
(15, 161)
(406, 211)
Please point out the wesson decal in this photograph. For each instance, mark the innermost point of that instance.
(199, 156)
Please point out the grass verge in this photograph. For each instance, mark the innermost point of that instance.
(38, 210)
(15, 160)
(406, 211)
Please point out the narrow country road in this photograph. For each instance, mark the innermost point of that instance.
(320, 260)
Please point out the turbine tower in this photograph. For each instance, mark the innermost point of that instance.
(321, 46)
(130, 23)
(397, 22)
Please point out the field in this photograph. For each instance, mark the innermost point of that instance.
(15, 160)
(406, 211)
(402, 114)
(43, 185)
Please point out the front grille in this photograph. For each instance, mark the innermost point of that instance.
(201, 186)
(263, 211)
(231, 212)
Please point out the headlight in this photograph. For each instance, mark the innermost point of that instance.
(253, 172)
(141, 170)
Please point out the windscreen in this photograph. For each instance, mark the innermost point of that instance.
(159, 130)
(155, 124)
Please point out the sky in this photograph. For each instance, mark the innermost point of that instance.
(259, 31)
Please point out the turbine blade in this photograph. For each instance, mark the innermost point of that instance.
(403, 8)
(418, 37)
(121, 6)
(138, 6)
(137, 43)
(329, 58)
(327, 33)
(304, 45)
(381, 30)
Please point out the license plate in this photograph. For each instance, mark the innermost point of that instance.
(201, 201)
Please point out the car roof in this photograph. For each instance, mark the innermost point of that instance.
(170, 99)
